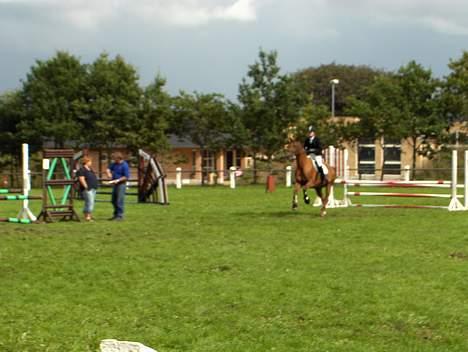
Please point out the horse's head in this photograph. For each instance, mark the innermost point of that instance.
(295, 147)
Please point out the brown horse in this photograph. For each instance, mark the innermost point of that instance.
(307, 177)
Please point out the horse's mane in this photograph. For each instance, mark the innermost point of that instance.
(298, 148)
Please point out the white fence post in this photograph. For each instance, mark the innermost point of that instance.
(406, 173)
(232, 177)
(331, 156)
(178, 178)
(288, 176)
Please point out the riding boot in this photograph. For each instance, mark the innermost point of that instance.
(323, 179)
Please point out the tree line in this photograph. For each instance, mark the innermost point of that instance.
(101, 104)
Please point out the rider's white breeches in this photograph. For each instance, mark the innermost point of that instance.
(319, 161)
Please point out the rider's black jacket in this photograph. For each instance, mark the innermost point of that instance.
(313, 146)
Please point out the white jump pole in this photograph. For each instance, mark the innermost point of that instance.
(288, 176)
(332, 203)
(232, 177)
(455, 204)
(466, 180)
(25, 212)
(178, 178)
(346, 200)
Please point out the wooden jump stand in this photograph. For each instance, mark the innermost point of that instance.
(53, 208)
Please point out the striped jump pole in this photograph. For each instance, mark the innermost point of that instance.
(402, 185)
(13, 190)
(402, 195)
(19, 197)
(16, 220)
(396, 206)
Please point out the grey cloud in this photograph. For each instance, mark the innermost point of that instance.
(212, 52)
(447, 16)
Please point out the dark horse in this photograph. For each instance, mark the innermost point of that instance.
(307, 177)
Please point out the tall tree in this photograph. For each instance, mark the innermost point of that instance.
(270, 103)
(202, 117)
(114, 98)
(454, 94)
(53, 99)
(403, 106)
(10, 117)
(421, 123)
(379, 113)
(331, 131)
(353, 80)
(154, 114)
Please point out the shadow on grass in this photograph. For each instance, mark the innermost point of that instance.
(287, 214)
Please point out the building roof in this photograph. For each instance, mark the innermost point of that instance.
(181, 142)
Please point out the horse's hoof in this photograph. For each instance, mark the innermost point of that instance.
(294, 207)
(323, 213)
(306, 200)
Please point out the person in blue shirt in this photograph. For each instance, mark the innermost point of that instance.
(119, 173)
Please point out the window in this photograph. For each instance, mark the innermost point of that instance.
(233, 158)
(392, 156)
(208, 161)
(238, 158)
(229, 159)
(366, 156)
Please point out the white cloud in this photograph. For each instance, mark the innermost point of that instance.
(90, 13)
(445, 16)
(195, 12)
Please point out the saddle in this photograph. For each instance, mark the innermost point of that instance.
(316, 167)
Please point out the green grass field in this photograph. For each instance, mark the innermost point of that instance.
(237, 270)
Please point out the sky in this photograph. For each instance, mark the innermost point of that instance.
(207, 45)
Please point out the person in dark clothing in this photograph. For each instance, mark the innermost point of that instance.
(88, 186)
(119, 173)
(313, 148)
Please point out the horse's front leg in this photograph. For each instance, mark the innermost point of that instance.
(297, 186)
(306, 196)
(324, 198)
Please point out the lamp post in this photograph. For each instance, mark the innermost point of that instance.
(333, 82)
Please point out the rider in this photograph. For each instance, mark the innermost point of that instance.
(313, 148)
